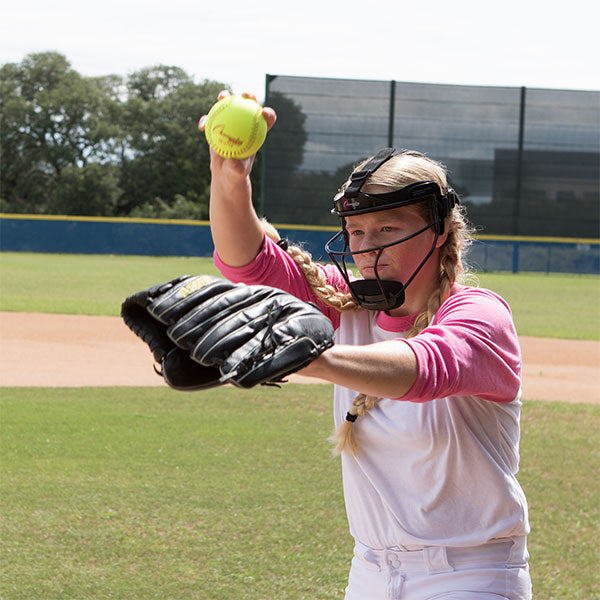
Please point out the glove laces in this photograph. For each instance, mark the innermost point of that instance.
(267, 346)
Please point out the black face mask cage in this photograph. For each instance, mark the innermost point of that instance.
(374, 294)
(378, 294)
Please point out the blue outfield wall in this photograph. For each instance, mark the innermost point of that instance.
(84, 235)
(96, 235)
(72, 235)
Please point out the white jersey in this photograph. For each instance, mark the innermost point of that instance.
(438, 472)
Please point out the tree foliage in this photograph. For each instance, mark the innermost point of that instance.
(107, 146)
(53, 121)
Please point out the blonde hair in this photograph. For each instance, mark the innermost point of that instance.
(399, 171)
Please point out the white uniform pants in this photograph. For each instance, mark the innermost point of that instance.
(495, 571)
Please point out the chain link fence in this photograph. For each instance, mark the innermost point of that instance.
(526, 162)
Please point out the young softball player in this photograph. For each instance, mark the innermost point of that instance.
(426, 373)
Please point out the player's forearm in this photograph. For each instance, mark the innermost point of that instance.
(385, 369)
(236, 230)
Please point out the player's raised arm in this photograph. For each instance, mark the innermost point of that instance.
(236, 229)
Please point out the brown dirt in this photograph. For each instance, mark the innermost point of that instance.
(72, 350)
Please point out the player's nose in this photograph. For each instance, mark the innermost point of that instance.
(370, 241)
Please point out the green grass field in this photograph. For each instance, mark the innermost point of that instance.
(561, 306)
(148, 493)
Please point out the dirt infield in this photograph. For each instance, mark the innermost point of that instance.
(72, 351)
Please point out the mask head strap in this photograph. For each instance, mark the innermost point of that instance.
(358, 178)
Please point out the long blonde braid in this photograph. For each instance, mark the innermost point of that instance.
(452, 267)
(341, 301)
(316, 279)
(343, 438)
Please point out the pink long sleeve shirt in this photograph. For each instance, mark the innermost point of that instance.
(437, 466)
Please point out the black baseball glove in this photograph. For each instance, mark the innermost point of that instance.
(206, 331)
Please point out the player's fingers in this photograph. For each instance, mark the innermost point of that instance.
(240, 167)
(268, 113)
(202, 121)
(270, 116)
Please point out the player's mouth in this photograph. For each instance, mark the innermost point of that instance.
(371, 268)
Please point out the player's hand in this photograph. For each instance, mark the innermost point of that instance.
(233, 166)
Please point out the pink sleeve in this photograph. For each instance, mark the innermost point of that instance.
(470, 349)
(276, 268)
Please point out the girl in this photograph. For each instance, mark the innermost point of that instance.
(426, 373)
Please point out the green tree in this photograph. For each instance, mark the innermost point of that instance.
(103, 145)
(53, 120)
(167, 159)
(92, 189)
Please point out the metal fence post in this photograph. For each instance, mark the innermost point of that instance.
(519, 181)
(392, 114)
(263, 158)
(515, 265)
(519, 174)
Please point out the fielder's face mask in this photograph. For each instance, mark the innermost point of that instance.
(377, 293)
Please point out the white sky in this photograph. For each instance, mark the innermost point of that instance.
(546, 43)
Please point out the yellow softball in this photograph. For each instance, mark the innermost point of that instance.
(235, 127)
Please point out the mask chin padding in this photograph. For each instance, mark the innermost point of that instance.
(378, 295)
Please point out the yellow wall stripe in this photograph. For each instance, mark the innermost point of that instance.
(528, 238)
(102, 219)
(483, 237)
